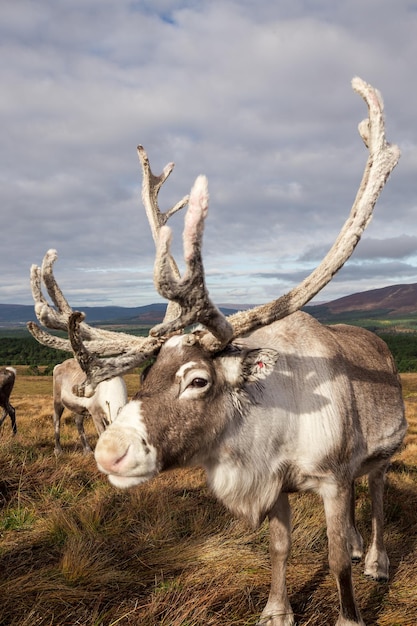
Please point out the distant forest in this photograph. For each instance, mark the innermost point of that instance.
(18, 350)
(27, 351)
(404, 349)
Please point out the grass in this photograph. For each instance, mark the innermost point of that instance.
(75, 551)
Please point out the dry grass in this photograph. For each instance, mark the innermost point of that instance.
(74, 551)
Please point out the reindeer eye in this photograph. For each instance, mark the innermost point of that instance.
(195, 382)
(198, 382)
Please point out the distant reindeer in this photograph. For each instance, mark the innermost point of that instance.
(7, 378)
(103, 406)
(269, 401)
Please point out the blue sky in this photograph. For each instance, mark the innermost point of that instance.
(256, 96)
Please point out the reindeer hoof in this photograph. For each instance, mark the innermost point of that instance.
(378, 578)
(277, 619)
(377, 566)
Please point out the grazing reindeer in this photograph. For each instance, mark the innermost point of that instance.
(103, 406)
(7, 378)
(268, 401)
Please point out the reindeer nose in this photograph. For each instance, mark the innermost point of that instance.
(111, 454)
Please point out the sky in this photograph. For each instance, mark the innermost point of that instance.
(255, 95)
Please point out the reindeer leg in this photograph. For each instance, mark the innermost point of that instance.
(376, 560)
(79, 420)
(58, 411)
(11, 411)
(355, 539)
(337, 506)
(278, 611)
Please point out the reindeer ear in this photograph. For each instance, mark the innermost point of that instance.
(243, 366)
(258, 364)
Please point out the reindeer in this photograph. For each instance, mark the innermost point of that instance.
(268, 401)
(7, 378)
(103, 406)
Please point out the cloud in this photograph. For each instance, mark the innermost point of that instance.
(256, 96)
(401, 247)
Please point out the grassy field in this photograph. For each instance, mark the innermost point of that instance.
(75, 551)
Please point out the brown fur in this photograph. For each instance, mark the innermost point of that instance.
(294, 406)
(7, 379)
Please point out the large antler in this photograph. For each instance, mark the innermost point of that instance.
(382, 159)
(189, 292)
(88, 342)
(189, 295)
(151, 186)
(57, 317)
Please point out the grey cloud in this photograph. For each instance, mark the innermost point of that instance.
(255, 96)
(400, 247)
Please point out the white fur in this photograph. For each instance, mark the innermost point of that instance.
(103, 406)
(298, 407)
(123, 451)
(175, 341)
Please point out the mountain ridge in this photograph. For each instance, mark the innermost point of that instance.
(395, 299)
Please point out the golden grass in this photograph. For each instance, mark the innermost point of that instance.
(75, 551)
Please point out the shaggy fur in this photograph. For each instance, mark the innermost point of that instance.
(295, 406)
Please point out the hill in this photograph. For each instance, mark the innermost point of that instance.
(19, 314)
(391, 308)
(393, 300)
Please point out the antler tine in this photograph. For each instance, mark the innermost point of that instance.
(190, 292)
(151, 185)
(382, 159)
(54, 318)
(99, 340)
(52, 341)
(51, 285)
(48, 316)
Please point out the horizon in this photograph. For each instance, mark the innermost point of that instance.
(226, 305)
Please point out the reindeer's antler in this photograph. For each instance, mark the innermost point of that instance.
(151, 185)
(89, 343)
(188, 296)
(382, 159)
(57, 317)
(99, 369)
(191, 292)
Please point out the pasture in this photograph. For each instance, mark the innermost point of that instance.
(75, 551)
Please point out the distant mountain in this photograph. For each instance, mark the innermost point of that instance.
(389, 302)
(18, 314)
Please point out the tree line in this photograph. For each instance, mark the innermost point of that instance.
(27, 351)
(404, 349)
